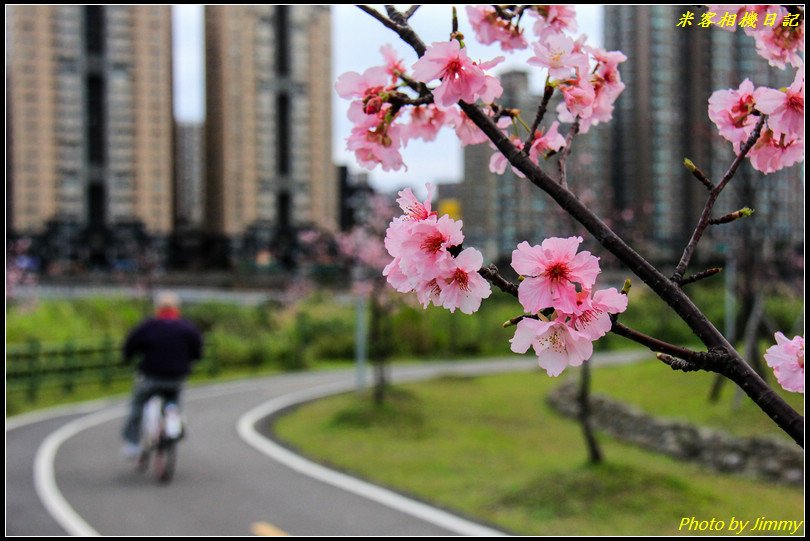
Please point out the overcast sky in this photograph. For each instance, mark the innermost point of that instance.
(356, 40)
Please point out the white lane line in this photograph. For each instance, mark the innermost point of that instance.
(45, 478)
(44, 470)
(398, 502)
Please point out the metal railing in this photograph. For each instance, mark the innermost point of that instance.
(34, 366)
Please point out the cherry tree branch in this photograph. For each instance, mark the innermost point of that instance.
(491, 274)
(541, 111)
(705, 216)
(721, 357)
(411, 10)
(677, 364)
(699, 276)
(569, 141)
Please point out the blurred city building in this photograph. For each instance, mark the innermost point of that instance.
(662, 117)
(355, 197)
(268, 128)
(500, 211)
(89, 130)
(188, 244)
(189, 189)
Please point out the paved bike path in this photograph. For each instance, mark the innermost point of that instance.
(222, 485)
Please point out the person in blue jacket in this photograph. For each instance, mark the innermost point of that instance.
(166, 345)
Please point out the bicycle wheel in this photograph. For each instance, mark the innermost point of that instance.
(165, 460)
(143, 460)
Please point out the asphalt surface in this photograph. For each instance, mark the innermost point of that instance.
(222, 485)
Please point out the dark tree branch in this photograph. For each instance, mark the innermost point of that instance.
(541, 111)
(491, 273)
(713, 195)
(734, 367)
(399, 99)
(380, 17)
(699, 276)
(569, 143)
(411, 10)
(654, 344)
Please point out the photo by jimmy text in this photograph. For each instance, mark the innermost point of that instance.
(739, 526)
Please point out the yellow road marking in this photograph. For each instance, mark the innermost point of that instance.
(266, 529)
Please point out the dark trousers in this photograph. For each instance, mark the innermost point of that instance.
(145, 388)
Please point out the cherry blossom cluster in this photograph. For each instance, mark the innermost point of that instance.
(427, 260)
(379, 101)
(386, 115)
(787, 360)
(780, 41)
(566, 314)
(781, 142)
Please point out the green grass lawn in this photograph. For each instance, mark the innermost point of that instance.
(491, 448)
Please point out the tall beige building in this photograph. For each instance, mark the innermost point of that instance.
(90, 122)
(268, 122)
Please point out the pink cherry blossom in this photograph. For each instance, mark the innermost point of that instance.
(556, 53)
(376, 142)
(781, 45)
(398, 279)
(787, 360)
(579, 98)
(394, 65)
(785, 110)
(771, 153)
(461, 78)
(556, 344)
(462, 286)
(551, 140)
(354, 85)
(554, 20)
(426, 121)
(490, 28)
(592, 316)
(425, 250)
(414, 209)
(428, 291)
(466, 130)
(498, 162)
(552, 271)
(730, 110)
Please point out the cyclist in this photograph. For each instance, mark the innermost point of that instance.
(167, 345)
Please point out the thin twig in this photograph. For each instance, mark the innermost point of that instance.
(569, 140)
(654, 344)
(677, 364)
(698, 174)
(491, 274)
(411, 10)
(699, 276)
(732, 216)
(689, 250)
(541, 111)
(388, 23)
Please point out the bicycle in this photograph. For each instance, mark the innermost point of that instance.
(162, 428)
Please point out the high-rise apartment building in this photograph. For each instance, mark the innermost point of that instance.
(189, 188)
(662, 117)
(268, 123)
(90, 126)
